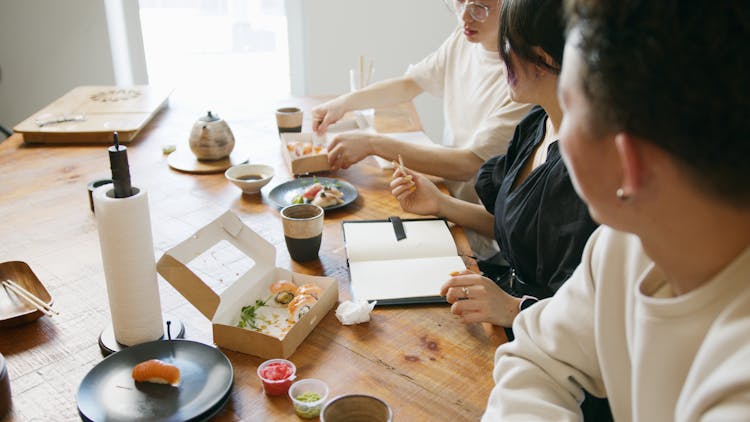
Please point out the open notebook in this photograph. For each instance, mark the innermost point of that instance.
(394, 271)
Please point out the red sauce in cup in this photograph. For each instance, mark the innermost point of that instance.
(276, 375)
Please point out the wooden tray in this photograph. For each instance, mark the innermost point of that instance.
(104, 109)
(13, 309)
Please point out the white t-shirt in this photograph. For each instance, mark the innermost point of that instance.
(616, 329)
(479, 114)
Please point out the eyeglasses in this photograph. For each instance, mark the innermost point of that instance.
(478, 11)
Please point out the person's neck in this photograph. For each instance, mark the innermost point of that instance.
(691, 241)
(490, 46)
(551, 106)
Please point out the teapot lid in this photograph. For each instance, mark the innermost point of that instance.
(209, 117)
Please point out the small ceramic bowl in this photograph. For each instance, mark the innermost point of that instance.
(308, 397)
(249, 177)
(356, 407)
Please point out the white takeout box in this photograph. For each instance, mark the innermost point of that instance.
(223, 310)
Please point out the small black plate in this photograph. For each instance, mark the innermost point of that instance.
(108, 391)
(283, 194)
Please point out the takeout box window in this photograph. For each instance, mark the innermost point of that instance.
(308, 163)
(223, 309)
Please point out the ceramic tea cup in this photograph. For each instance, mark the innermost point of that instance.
(303, 230)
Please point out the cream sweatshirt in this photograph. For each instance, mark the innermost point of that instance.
(616, 329)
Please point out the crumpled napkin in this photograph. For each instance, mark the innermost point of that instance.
(357, 312)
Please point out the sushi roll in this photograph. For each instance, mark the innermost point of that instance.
(156, 371)
(301, 305)
(283, 291)
(310, 289)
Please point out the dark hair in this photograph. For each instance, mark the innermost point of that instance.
(525, 24)
(676, 74)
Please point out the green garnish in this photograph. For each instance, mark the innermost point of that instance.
(247, 315)
(304, 410)
(308, 397)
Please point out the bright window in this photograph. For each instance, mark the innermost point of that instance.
(216, 50)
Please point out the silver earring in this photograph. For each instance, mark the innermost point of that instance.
(622, 196)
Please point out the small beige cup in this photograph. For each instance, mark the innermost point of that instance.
(356, 407)
(289, 119)
(303, 230)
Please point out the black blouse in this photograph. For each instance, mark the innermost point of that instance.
(541, 225)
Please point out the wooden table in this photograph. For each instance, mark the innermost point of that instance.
(424, 362)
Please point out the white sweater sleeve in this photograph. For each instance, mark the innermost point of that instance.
(540, 375)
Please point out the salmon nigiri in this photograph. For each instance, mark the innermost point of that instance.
(156, 371)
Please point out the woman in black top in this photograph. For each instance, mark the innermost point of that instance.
(540, 222)
(529, 202)
(530, 205)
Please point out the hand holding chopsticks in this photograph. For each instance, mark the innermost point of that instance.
(30, 298)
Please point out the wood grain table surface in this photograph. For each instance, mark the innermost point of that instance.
(423, 361)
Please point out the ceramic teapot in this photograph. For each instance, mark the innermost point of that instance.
(211, 138)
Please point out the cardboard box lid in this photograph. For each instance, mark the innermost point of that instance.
(173, 264)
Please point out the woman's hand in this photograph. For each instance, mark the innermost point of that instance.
(347, 149)
(415, 192)
(327, 114)
(478, 299)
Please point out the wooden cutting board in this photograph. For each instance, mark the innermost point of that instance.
(94, 112)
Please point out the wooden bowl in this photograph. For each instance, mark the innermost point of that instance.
(14, 310)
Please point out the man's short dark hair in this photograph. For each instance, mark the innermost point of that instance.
(675, 73)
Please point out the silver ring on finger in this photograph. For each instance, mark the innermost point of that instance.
(466, 292)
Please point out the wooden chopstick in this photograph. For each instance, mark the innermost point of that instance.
(30, 298)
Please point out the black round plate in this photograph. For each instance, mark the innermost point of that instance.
(283, 194)
(108, 391)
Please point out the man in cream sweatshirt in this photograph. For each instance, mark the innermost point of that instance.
(657, 316)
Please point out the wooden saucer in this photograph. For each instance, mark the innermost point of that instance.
(184, 160)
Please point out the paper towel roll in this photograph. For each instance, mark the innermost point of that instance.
(129, 265)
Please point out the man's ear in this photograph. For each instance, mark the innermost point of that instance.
(631, 164)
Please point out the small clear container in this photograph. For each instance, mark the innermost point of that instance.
(277, 375)
(308, 397)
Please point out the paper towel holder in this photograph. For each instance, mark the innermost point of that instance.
(108, 344)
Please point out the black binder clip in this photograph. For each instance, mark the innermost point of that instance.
(398, 227)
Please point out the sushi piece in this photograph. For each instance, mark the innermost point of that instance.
(328, 197)
(309, 289)
(301, 305)
(310, 192)
(156, 371)
(333, 191)
(283, 291)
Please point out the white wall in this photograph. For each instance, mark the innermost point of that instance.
(326, 38)
(48, 47)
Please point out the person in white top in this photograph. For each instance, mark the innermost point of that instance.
(657, 316)
(467, 73)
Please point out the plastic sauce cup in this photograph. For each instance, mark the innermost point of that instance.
(277, 376)
(308, 397)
